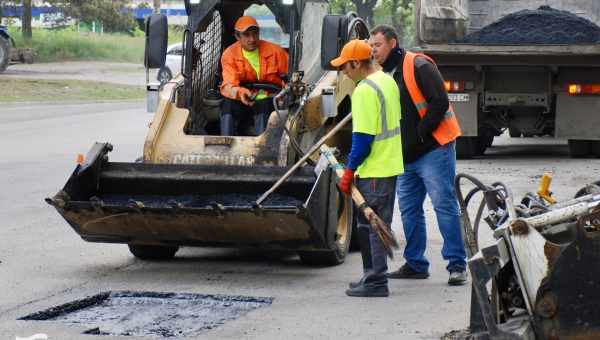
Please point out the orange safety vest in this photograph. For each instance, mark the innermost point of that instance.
(448, 130)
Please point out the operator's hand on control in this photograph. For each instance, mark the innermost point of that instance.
(246, 96)
(345, 183)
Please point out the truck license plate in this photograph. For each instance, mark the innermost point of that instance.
(458, 97)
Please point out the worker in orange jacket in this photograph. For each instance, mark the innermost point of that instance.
(249, 60)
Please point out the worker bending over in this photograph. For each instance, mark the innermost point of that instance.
(249, 60)
(375, 157)
(429, 131)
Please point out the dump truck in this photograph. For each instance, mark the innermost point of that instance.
(194, 187)
(538, 278)
(9, 54)
(517, 65)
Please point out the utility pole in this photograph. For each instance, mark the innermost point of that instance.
(26, 20)
(156, 6)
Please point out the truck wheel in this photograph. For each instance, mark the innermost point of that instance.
(595, 148)
(580, 148)
(147, 252)
(466, 147)
(341, 213)
(4, 54)
(514, 133)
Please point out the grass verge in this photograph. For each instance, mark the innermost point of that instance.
(70, 45)
(22, 90)
(67, 44)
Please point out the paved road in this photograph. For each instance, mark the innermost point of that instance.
(44, 263)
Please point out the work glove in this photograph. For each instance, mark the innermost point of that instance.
(245, 96)
(345, 183)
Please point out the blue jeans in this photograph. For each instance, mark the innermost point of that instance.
(432, 174)
(236, 117)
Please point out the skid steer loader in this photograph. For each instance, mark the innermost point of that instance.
(194, 187)
(539, 279)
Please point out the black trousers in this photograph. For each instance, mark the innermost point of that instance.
(237, 117)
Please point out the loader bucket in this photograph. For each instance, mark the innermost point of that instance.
(194, 205)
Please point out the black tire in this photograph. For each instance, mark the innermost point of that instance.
(164, 75)
(341, 216)
(148, 252)
(595, 148)
(466, 147)
(514, 133)
(4, 53)
(580, 148)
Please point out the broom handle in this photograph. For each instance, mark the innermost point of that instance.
(357, 197)
(304, 158)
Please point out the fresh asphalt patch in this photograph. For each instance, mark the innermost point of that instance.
(128, 313)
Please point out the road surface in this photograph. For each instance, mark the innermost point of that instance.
(44, 263)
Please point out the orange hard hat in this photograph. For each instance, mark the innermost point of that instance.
(244, 23)
(354, 50)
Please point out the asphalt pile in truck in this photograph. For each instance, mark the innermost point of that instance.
(543, 26)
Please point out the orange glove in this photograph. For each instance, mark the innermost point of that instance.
(345, 183)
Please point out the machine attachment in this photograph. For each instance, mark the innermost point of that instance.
(542, 267)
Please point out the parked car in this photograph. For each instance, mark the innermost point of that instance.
(172, 65)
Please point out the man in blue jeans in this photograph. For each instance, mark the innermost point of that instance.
(429, 128)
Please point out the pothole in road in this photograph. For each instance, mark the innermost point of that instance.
(150, 314)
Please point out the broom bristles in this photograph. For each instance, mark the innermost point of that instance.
(384, 232)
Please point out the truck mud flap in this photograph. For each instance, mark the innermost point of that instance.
(193, 205)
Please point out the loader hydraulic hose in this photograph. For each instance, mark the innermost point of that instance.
(293, 141)
(494, 196)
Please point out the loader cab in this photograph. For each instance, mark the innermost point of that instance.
(210, 31)
(186, 126)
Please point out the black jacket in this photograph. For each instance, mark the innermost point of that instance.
(416, 132)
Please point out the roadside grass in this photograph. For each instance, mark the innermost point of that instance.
(69, 45)
(21, 90)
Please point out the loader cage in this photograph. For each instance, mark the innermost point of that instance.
(209, 31)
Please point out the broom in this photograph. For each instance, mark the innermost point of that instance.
(379, 226)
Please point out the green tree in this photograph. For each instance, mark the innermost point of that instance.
(110, 12)
(26, 20)
(364, 8)
(399, 14)
(342, 6)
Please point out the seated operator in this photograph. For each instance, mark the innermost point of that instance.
(246, 61)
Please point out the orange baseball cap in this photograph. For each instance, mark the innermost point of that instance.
(244, 23)
(354, 50)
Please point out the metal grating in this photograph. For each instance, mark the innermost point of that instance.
(205, 63)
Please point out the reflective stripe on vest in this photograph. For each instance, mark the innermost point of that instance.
(385, 133)
(448, 129)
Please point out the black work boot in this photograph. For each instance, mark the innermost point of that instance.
(352, 285)
(406, 272)
(368, 290)
(365, 251)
